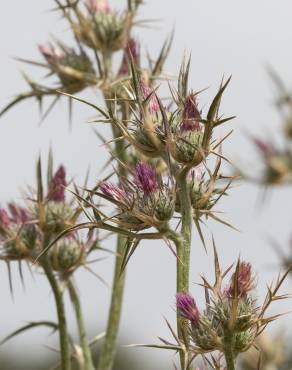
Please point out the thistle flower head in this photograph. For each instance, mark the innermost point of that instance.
(57, 186)
(147, 93)
(187, 307)
(146, 178)
(191, 115)
(116, 192)
(4, 218)
(132, 50)
(51, 53)
(242, 281)
(98, 6)
(66, 255)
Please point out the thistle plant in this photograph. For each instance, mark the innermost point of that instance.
(231, 321)
(168, 180)
(25, 233)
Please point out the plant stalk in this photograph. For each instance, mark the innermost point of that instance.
(229, 352)
(62, 322)
(87, 356)
(183, 247)
(108, 351)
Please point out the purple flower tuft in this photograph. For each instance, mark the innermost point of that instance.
(245, 281)
(19, 215)
(187, 307)
(57, 186)
(116, 192)
(4, 218)
(131, 50)
(146, 178)
(191, 115)
(264, 147)
(52, 54)
(146, 91)
(98, 6)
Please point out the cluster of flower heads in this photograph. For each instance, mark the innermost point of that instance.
(182, 132)
(142, 202)
(151, 198)
(232, 316)
(23, 230)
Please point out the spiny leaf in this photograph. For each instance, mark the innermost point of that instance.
(130, 248)
(216, 102)
(101, 111)
(40, 190)
(50, 169)
(29, 326)
(164, 52)
(183, 78)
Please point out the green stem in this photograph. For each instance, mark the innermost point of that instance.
(108, 351)
(183, 247)
(63, 333)
(229, 352)
(88, 362)
(106, 359)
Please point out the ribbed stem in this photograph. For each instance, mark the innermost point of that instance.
(62, 322)
(183, 247)
(88, 362)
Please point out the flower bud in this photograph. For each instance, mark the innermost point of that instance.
(187, 307)
(66, 255)
(74, 70)
(187, 134)
(102, 28)
(17, 235)
(55, 217)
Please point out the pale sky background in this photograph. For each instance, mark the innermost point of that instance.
(225, 37)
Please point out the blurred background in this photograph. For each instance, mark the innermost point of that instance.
(225, 38)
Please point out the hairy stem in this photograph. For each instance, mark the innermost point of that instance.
(229, 352)
(87, 357)
(107, 355)
(183, 246)
(62, 322)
